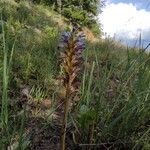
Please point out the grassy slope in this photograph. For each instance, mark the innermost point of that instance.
(34, 29)
(115, 89)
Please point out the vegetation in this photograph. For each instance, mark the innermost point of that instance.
(82, 12)
(110, 108)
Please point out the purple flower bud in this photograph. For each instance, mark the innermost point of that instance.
(80, 37)
(65, 37)
(80, 42)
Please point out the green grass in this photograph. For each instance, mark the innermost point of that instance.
(4, 109)
(117, 101)
(114, 96)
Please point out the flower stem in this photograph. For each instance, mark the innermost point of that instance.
(65, 117)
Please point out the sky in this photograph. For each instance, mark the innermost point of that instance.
(125, 20)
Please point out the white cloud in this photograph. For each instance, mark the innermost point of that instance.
(125, 21)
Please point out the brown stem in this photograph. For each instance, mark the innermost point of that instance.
(65, 117)
(90, 137)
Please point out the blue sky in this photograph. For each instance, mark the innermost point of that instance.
(126, 20)
(141, 4)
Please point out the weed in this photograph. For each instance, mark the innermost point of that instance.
(72, 43)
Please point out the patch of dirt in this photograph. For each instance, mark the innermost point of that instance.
(46, 136)
(89, 35)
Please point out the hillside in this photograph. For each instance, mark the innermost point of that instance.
(110, 109)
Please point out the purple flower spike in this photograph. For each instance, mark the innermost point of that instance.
(72, 45)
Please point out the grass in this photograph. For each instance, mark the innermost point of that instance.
(110, 111)
(4, 109)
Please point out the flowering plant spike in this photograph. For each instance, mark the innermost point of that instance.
(71, 45)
